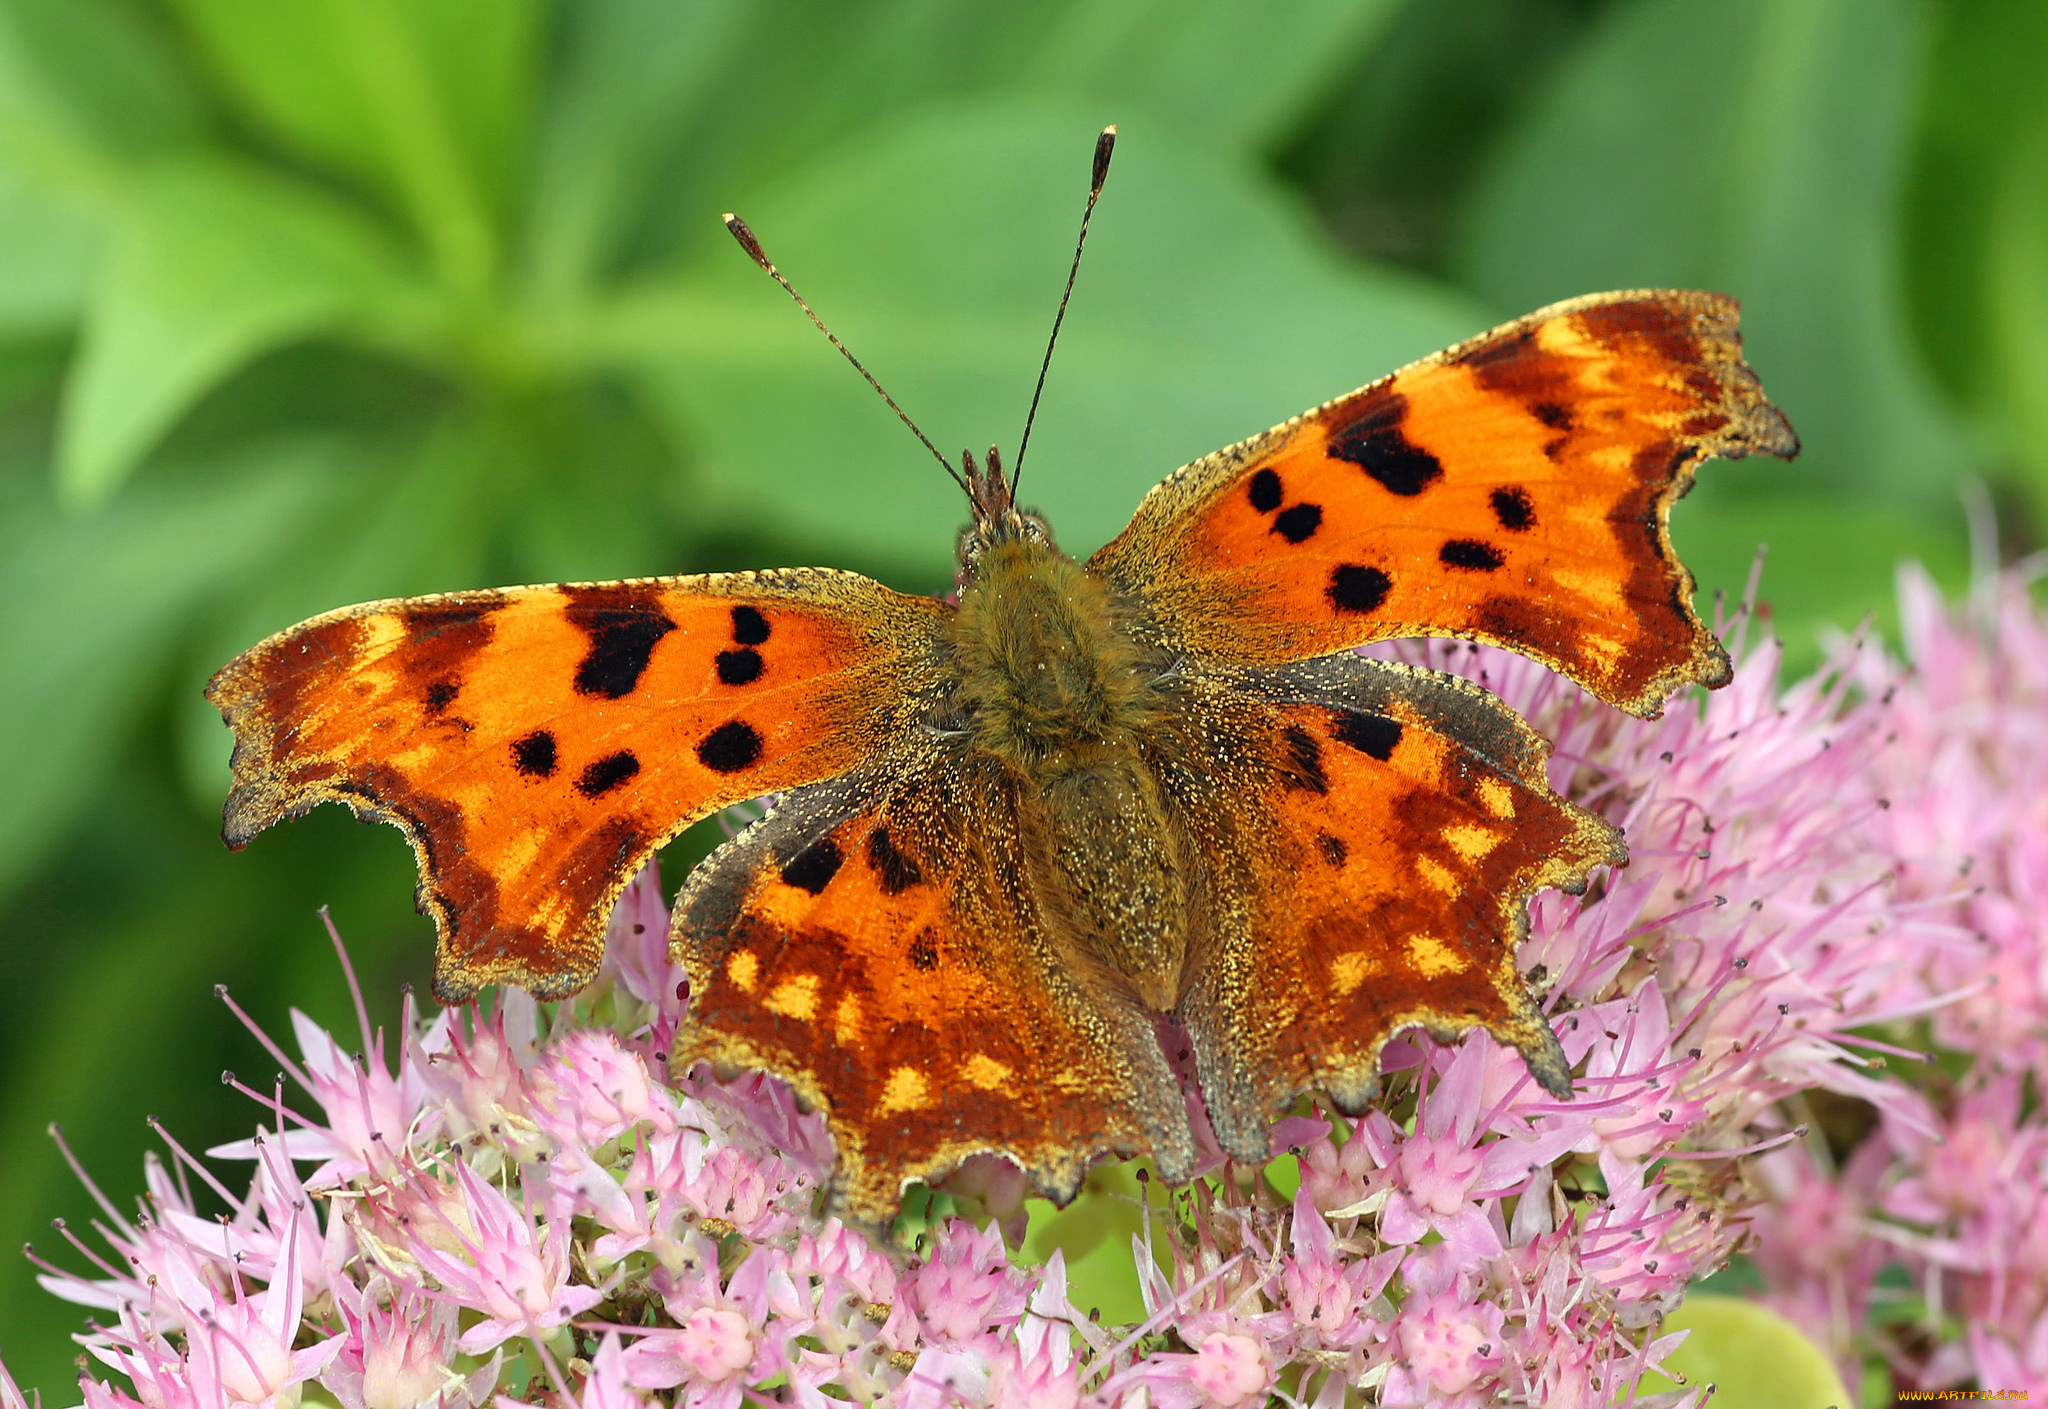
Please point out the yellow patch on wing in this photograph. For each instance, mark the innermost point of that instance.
(985, 1071)
(1599, 587)
(795, 998)
(1497, 797)
(1437, 874)
(743, 968)
(1473, 844)
(1433, 958)
(907, 1090)
(1348, 971)
(846, 1020)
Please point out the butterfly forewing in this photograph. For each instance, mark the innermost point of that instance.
(538, 743)
(1514, 490)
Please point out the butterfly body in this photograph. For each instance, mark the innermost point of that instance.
(1054, 687)
(1016, 835)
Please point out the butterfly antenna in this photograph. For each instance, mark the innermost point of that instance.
(1104, 145)
(752, 246)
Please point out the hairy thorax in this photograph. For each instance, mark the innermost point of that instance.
(1053, 685)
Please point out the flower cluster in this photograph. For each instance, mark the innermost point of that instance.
(528, 1208)
(1921, 1240)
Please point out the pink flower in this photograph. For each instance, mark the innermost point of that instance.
(1444, 1170)
(968, 1288)
(1327, 1290)
(636, 953)
(1226, 1369)
(400, 1351)
(713, 1346)
(586, 1090)
(1449, 1341)
(479, 1077)
(238, 1347)
(517, 1274)
(1231, 1369)
(369, 1110)
(722, 1342)
(608, 1386)
(1038, 1370)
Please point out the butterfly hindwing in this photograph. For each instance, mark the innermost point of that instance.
(1376, 882)
(1514, 489)
(536, 744)
(873, 941)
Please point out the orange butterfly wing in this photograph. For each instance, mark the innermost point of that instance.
(1376, 881)
(1514, 489)
(875, 942)
(536, 744)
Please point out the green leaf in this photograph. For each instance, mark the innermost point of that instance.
(425, 101)
(85, 86)
(1752, 146)
(49, 253)
(2016, 276)
(1223, 78)
(1754, 1358)
(635, 73)
(1208, 311)
(94, 609)
(214, 262)
(1217, 71)
(1981, 97)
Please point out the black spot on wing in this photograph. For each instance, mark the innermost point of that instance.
(749, 627)
(441, 637)
(1299, 524)
(1470, 554)
(1304, 768)
(607, 773)
(1372, 734)
(730, 748)
(1265, 492)
(624, 625)
(924, 950)
(441, 694)
(534, 755)
(1513, 507)
(897, 871)
(1374, 442)
(813, 868)
(741, 667)
(1553, 415)
(1333, 849)
(1354, 588)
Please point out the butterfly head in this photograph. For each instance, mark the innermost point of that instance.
(997, 519)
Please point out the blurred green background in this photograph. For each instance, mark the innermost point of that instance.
(304, 302)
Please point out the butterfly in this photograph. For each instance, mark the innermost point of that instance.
(1023, 837)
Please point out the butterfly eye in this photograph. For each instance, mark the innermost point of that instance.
(970, 548)
(1037, 530)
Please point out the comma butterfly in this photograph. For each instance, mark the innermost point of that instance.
(1017, 833)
